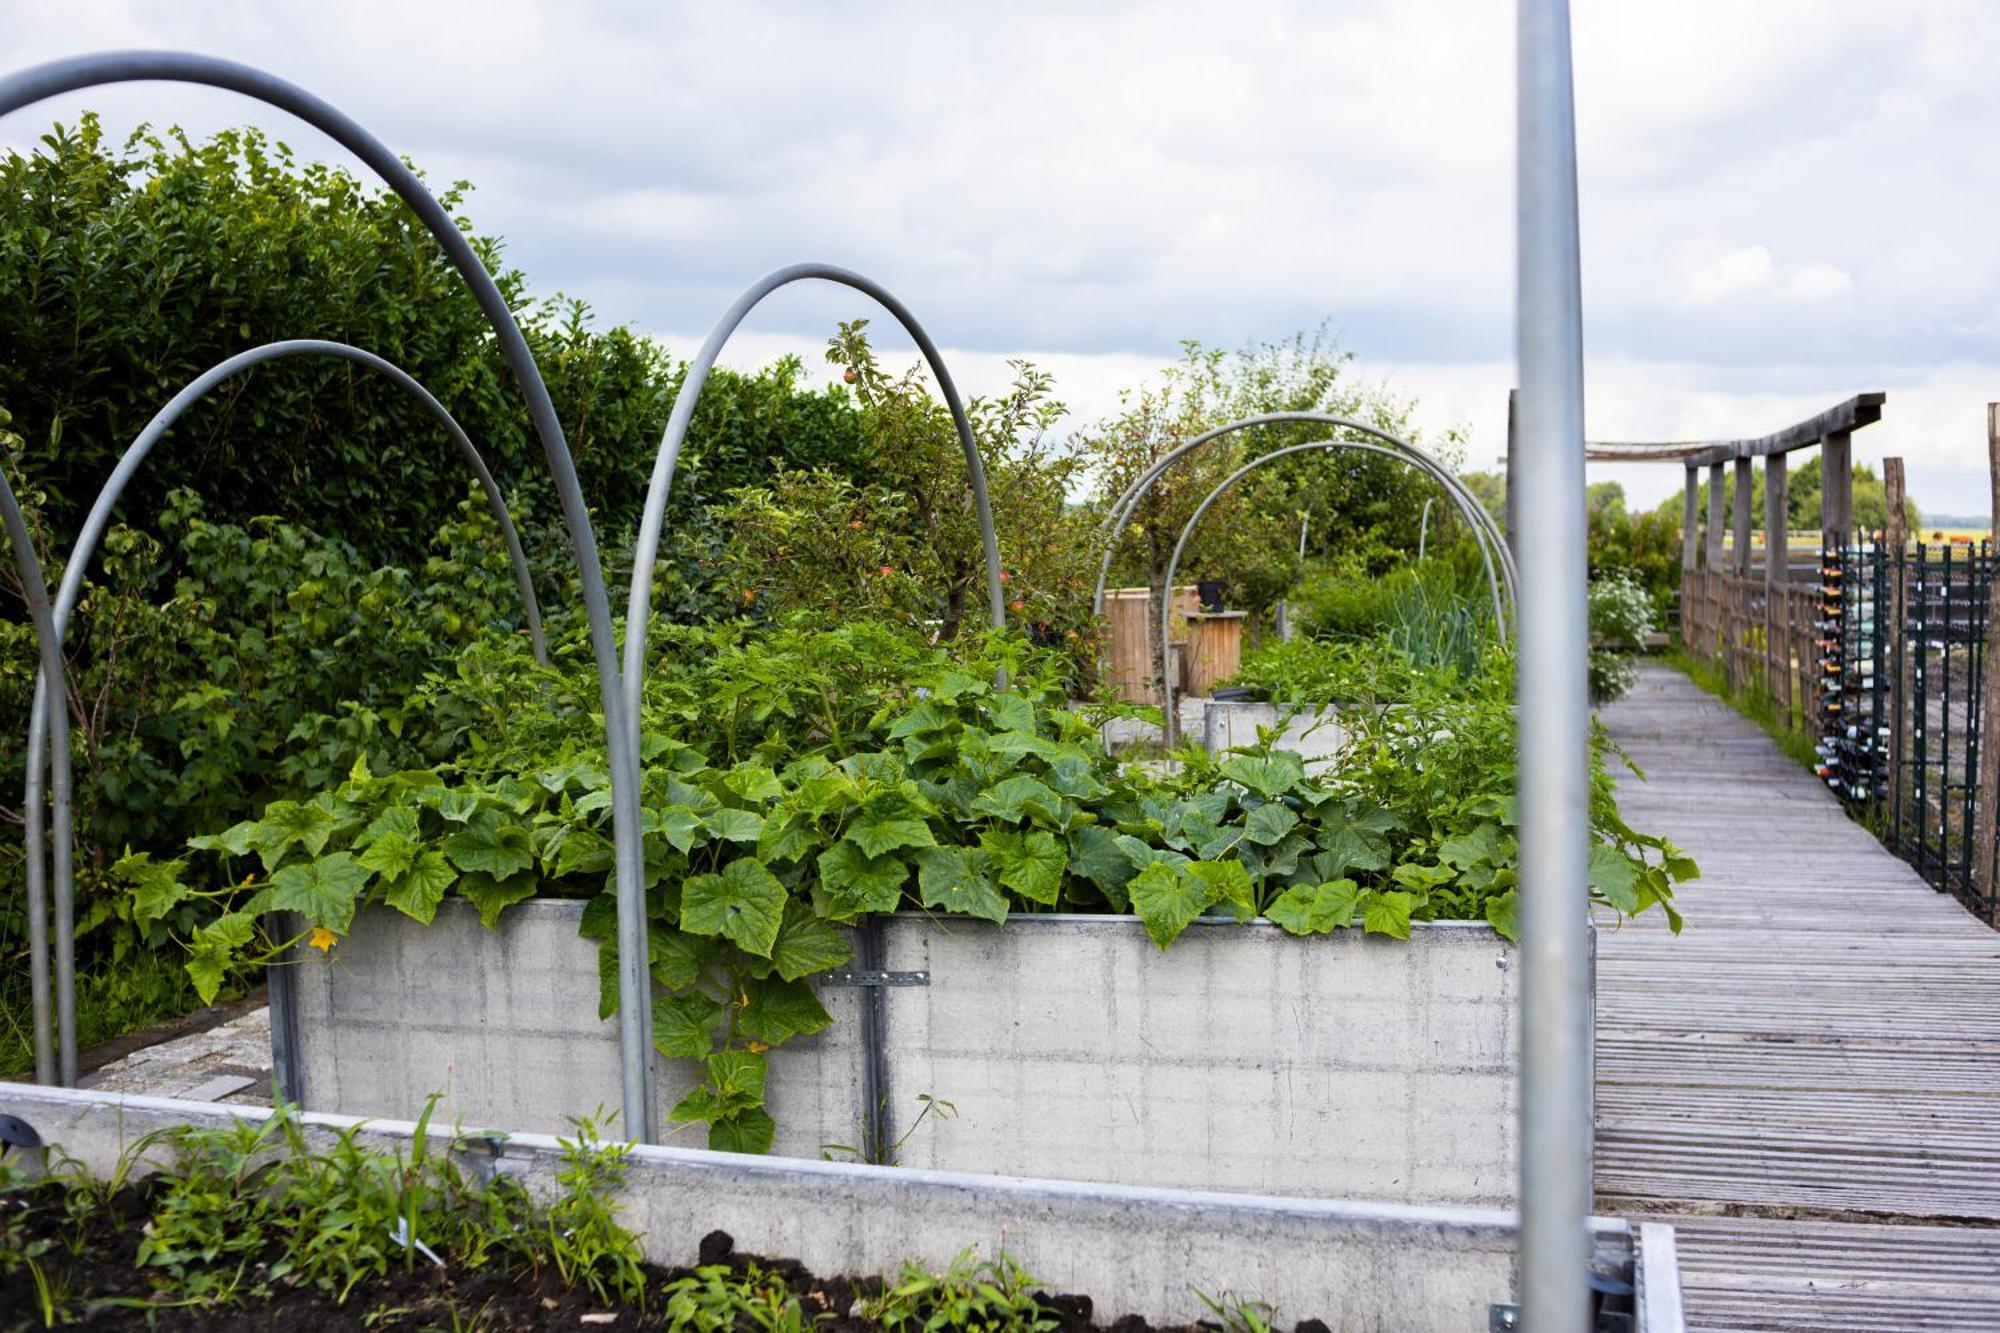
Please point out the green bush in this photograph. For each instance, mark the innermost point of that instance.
(1621, 618)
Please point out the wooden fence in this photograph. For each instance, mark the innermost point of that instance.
(1764, 638)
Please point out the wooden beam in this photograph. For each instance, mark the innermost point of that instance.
(1864, 409)
(1691, 521)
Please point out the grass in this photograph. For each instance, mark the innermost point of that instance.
(141, 989)
(1755, 704)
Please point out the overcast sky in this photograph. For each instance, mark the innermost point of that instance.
(1783, 203)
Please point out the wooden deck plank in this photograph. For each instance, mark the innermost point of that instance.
(1807, 1082)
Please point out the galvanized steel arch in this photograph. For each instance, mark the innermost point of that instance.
(1128, 501)
(1194, 520)
(39, 82)
(99, 518)
(639, 602)
(36, 590)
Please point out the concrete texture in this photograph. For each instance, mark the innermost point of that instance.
(1360, 1267)
(1314, 734)
(1239, 1059)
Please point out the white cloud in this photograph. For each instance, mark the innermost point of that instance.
(1715, 273)
(1783, 203)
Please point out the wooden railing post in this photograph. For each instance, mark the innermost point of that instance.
(1715, 520)
(1836, 486)
(1777, 616)
(1988, 790)
(1690, 557)
(1890, 622)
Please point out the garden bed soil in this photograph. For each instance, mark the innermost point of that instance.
(103, 1289)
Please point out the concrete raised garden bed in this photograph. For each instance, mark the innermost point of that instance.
(1241, 1058)
(1365, 1268)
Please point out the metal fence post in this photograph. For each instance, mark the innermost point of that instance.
(1987, 700)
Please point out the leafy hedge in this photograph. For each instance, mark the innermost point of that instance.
(127, 270)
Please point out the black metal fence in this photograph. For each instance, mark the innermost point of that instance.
(1899, 713)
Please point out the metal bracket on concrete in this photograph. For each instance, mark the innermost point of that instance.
(1502, 1318)
(874, 977)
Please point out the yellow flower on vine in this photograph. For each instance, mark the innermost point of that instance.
(758, 1047)
(323, 939)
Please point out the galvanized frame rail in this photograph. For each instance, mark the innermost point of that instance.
(1122, 509)
(1466, 509)
(40, 82)
(1552, 779)
(99, 518)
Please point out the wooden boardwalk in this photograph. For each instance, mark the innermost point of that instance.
(1807, 1081)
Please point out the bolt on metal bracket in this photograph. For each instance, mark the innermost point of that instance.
(873, 977)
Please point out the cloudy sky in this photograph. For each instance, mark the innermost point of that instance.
(1783, 203)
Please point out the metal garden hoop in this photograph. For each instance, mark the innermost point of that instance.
(1168, 721)
(40, 82)
(99, 518)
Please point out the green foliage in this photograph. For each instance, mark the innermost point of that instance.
(1621, 618)
(800, 780)
(901, 541)
(985, 1296)
(125, 271)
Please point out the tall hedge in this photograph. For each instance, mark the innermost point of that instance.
(127, 270)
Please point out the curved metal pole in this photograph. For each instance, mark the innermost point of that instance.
(635, 1014)
(99, 519)
(639, 602)
(47, 1066)
(1128, 501)
(1168, 720)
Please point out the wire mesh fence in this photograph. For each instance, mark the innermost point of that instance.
(1902, 657)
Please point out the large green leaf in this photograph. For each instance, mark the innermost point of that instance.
(391, 853)
(1096, 856)
(745, 904)
(1228, 882)
(1270, 777)
(858, 882)
(155, 885)
(806, 944)
(876, 836)
(288, 824)
(418, 890)
(749, 1131)
(1168, 899)
(1502, 914)
(1387, 912)
(322, 891)
(780, 1010)
(1268, 824)
(684, 1026)
(1613, 875)
(1020, 797)
(492, 896)
(501, 850)
(733, 825)
(954, 879)
(1030, 862)
(1315, 909)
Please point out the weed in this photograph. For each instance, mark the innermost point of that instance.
(987, 1296)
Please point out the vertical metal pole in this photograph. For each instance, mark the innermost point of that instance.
(1551, 686)
(1513, 523)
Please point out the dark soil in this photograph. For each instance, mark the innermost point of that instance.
(98, 1287)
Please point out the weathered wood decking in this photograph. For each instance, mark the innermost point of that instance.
(1806, 1082)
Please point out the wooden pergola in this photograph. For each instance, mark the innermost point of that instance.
(1831, 432)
